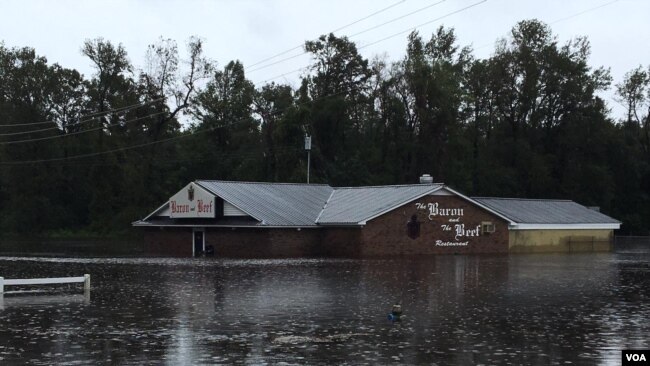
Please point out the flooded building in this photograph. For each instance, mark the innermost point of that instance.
(266, 220)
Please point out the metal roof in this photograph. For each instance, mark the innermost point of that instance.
(355, 205)
(530, 211)
(273, 204)
(313, 205)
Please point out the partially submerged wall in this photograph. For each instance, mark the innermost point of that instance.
(538, 241)
(235, 243)
(168, 242)
(262, 243)
(443, 225)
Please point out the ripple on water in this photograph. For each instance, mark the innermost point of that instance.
(458, 310)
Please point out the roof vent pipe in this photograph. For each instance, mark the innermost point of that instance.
(426, 179)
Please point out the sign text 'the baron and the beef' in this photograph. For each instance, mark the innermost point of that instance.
(454, 223)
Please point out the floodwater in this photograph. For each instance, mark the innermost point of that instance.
(518, 310)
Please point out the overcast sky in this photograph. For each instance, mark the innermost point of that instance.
(253, 30)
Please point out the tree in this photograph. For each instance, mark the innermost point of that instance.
(282, 132)
(634, 91)
(164, 80)
(34, 197)
(229, 136)
(539, 89)
(431, 77)
(632, 158)
(339, 108)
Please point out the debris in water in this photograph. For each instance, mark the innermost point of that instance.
(314, 339)
(396, 314)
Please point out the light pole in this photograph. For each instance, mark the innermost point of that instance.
(308, 148)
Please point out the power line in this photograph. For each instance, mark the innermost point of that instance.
(278, 150)
(423, 24)
(115, 110)
(151, 143)
(214, 128)
(389, 37)
(398, 18)
(420, 25)
(352, 36)
(121, 110)
(563, 19)
(50, 128)
(95, 153)
(583, 12)
(334, 31)
(80, 132)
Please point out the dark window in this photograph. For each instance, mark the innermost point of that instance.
(413, 227)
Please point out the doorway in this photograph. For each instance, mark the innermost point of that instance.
(198, 249)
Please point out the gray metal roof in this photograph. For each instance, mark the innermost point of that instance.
(274, 204)
(351, 206)
(312, 205)
(529, 211)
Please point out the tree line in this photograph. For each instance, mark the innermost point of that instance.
(92, 154)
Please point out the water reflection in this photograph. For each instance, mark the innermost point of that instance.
(27, 299)
(458, 310)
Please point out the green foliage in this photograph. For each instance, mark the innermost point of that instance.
(525, 122)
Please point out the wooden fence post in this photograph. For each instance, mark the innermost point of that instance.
(86, 282)
(2, 285)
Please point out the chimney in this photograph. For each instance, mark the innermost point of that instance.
(426, 179)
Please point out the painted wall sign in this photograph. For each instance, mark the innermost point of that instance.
(435, 210)
(192, 202)
(453, 225)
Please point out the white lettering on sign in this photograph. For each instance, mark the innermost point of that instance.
(440, 243)
(635, 357)
(462, 232)
(435, 210)
(192, 202)
(454, 225)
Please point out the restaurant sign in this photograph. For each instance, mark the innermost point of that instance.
(192, 202)
(452, 224)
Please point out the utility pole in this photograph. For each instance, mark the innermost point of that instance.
(308, 148)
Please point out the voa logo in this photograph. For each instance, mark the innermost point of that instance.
(635, 357)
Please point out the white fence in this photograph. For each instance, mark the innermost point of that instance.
(45, 281)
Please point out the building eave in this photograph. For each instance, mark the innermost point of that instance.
(155, 211)
(601, 226)
(342, 224)
(147, 224)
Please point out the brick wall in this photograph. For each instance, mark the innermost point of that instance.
(341, 242)
(387, 235)
(384, 236)
(263, 243)
(168, 242)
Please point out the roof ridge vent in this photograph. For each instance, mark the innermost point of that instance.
(426, 179)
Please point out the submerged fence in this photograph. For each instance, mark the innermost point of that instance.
(85, 279)
(632, 244)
